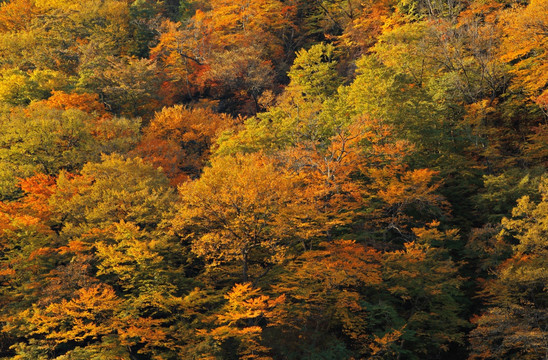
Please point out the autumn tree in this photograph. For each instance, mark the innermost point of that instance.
(242, 23)
(33, 268)
(347, 158)
(179, 139)
(58, 32)
(85, 102)
(326, 289)
(524, 46)
(128, 86)
(78, 261)
(294, 116)
(15, 15)
(241, 73)
(25, 237)
(119, 188)
(18, 87)
(238, 327)
(243, 210)
(94, 313)
(364, 25)
(227, 49)
(181, 56)
(112, 134)
(43, 140)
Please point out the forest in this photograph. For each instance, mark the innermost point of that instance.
(273, 179)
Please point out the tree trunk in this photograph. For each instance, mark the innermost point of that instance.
(244, 270)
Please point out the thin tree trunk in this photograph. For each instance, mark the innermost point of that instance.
(244, 270)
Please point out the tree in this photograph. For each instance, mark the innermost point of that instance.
(20, 88)
(240, 323)
(181, 56)
(365, 25)
(243, 23)
(313, 72)
(68, 264)
(324, 312)
(43, 140)
(128, 86)
(93, 318)
(516, 322)
(243, 209)
(112, 134)
(422, 284)
(227, 50)
(179, 139)
(58, 33)
(346, 157)
(36, 266)
(15, 15)
(86, 102)
(242, 74)
(113, 190)
(524, 46)
(294, 118)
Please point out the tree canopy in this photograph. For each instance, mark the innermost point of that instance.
(273, 179)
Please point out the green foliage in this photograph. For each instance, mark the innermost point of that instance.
(298, 115)
(515, 322)
(502, 191)
(313, 72)
(429, 305)
(386, 93)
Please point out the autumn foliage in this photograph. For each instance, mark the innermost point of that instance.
(273, 179)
